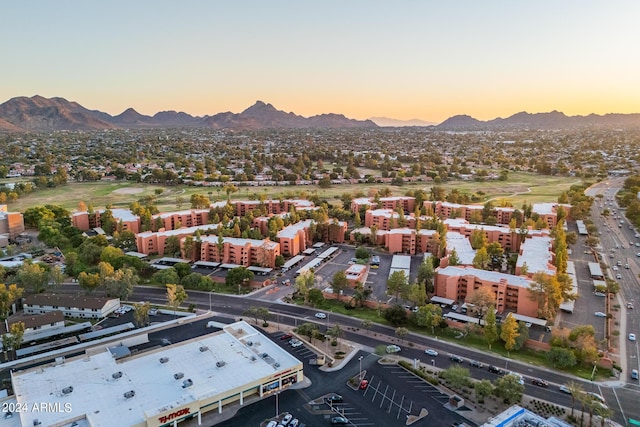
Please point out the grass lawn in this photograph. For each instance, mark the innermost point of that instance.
(519, 188)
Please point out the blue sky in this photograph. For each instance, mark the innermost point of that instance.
(399, 59)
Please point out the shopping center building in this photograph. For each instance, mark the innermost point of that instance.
(161, 387)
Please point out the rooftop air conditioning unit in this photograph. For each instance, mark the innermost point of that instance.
(129, 394)
(164, 359)
(178, 375)
(116, 375)
(187, 383)
(204, 348)
(67, 390)
(221, 363)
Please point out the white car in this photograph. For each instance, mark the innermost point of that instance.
(600, 314)
(431, 352)
(618, 276)
(632, 337)
(321, 316)
(393, 348)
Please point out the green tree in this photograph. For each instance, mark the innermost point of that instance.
(339, 283)
(490, 327)
(315, 297)
(310, 330)
(509, 332)
(397, 284)
(425, 275)
(453, 258)
(575, 390)
(172, 246)
(481, 260)
(402, 332)
(561, 357)
(478, 239)
(335, 332)
(122, 283)
(481, 299)
(176, 295)
(523, 335)
(417, 294)
(396, 315)
(253, 313)
(457, 376)
(362, 253)
(89, 281)
(32, 276)
(304, 283)
(141, 313)
(483, 388)
(8, 295)
(509, 389)
(239, 277)
(265, 315)
(166, 276)
(56, 276)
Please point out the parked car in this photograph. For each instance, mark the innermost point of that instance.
(393, 348)
(294, 423)
(600, 294)
(455, 358)
(286, 336)
(632, 337)
(634, 374)
(539, 382)
(295, 343)
(321, 316)
(475, 363)
(333, 398)
(285, 420)
(339, 421)
(630, 306)
(364, 384)
(272, 424)
(431, 352)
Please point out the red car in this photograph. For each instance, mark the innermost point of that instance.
(286, 336)
(363, 384)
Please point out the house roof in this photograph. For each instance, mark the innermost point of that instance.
(82, 301)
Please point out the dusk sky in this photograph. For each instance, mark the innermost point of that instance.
(418, 59)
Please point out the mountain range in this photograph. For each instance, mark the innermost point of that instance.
(39, 114)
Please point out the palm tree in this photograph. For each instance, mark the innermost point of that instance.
(576, 391)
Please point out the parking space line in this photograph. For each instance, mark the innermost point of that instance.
(400, 407)
(384, 395)
(391, 403)
(367, 389)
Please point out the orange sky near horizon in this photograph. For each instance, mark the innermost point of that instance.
(425, 60)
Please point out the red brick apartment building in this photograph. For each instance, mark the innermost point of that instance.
(11, 223)
(154, 242)
(407, 203)
(86, 221)
(186, 218)
(244, 252)
(512, 292)
(409, 241)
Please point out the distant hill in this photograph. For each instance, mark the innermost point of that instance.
(39, 114)
(385, 121)
(551, 120)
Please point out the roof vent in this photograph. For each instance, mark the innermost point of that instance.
(164, 359)
(204, 348)
(67, 390)
(253, 358)
(37, 422)
(221, 363)
(277, 365)
(264, 355)
(129, 394)
(249, 343)
(178, 375)
(187, 383)
(116, 375)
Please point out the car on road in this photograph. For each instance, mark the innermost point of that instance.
(539, 382)
(596, 396)
(517, 376)
(632, 337)
(630, 306)
(626, 266)
(333, 398)
(393, 348)
(565, 389)
(496, 370)
(600, 294)
(618, 276)
(614, 268)
(339, 421)
(634, 374)
(431, 352)
(600, 314)
(320, 316)
(294, 423)
(455, 358)
(475, 363)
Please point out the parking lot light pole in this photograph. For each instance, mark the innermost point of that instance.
(210, 292)
(360, 373)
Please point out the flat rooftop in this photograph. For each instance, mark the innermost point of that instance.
(489, 276)
(100, 382)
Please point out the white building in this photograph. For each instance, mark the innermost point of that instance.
(70, 305)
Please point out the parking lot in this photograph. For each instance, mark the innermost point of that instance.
(392, 394)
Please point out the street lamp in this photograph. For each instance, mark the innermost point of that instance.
(360, 374)
(210, 292)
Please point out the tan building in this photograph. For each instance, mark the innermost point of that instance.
(512, 292)
(356, 273)
(245, 252)
(86, 221)
(179, 219)
(11, 223)
(295, 238)
(155, 242)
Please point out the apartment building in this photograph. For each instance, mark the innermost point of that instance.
(409, 241)
(245, 252)
(512, 292)
(155, 242)
(87, 221)
(406, 203)
(11, 223)
(179, 219)
(295, 238)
